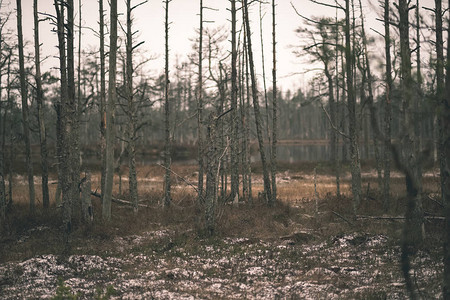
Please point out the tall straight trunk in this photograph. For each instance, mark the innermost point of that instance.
(266, 101)
(353, 132)
(413, 183)
(39, 100)
(373, 112)
(387, 111)
(440, 87)
(336, 113)
(11, 137)
(211, 175)
(445, 176)
(258, 121)
(132, 177)
(102, 98)
(200, 107)
(110, 114)
(419, 94)
(273, 159)
(2, 148)
(167, 158)
(24, 96)
(234, 122)
(413, 232)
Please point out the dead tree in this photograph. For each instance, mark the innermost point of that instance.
(200, 106)
(167, 150)
(234, 124)
(445, 173)
(25, 114)
(102, 104)
(353, 132)
(387, 110)
(273, 158)
(39, 100)
(110, 114)
(258, 120)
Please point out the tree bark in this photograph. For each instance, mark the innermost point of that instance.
(234, 123)
(273, 159)
(25, 114)
(353, 132)
(102, 99)
(41, 118)
(387, 111)
(167, 150)
(110, 114)
(258, 121)
(132, 182)
(445, 173)
(200, 107)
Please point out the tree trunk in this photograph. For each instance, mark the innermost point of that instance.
(273, 159)
(132, 182)
(445, 176)
(167, 156)
(387, 112)
(200, 107)
(3, 149)
(110, 114)
(234, 123)
(102, 105)
(24, 96)
(353, 132)
(373, 112)
(39, 100)
(258, 121)
(211, 175)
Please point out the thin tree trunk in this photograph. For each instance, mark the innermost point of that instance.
(132, 182)
(373, 116)
(167, 156)
(11, 140)
(25, 122)
(39, 99)
(200, 107)
(110, 114)
(102, 98)
(267, 183)
(273, 159)
(445, 176)
(387, 111)
(234, 124)
(266, 102)
(3, 149)
(353, 132)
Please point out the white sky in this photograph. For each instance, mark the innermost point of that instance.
(149, 20)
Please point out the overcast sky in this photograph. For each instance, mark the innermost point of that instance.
(149, 20)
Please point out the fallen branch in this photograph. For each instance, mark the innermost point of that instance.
(342, 217)
(118, 201)
(430, 217)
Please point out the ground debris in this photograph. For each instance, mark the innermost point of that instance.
(344, 266)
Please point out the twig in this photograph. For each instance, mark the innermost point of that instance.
(343, 218)
(119, 201)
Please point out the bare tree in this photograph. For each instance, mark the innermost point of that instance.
(387, 110)
(200, 106)
(258, 120)
(445, 173)
(25, 114)
(39, 100)
(273, 159)
(353, 132)
(110, 114)
(167, 150)
(234, 124)
(102, 106)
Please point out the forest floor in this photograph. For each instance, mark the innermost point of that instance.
(284, 252)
